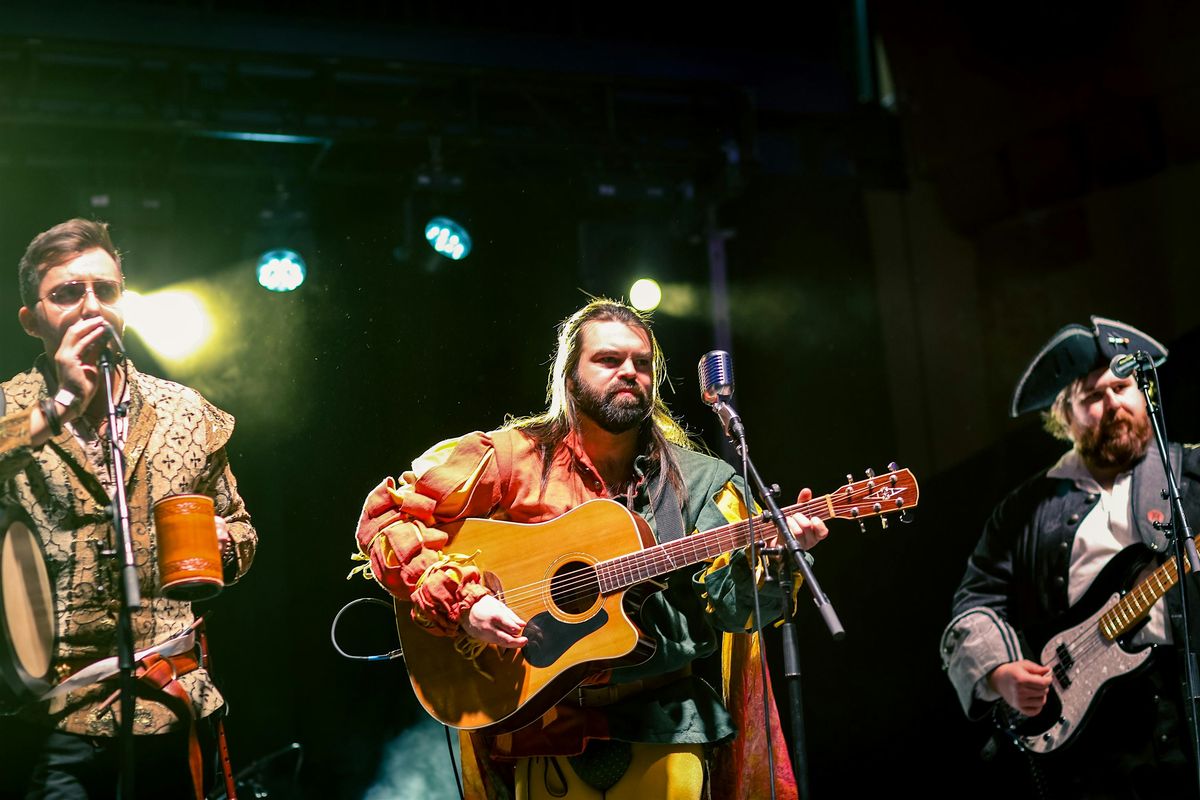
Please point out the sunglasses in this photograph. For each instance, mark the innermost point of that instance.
(72, 292)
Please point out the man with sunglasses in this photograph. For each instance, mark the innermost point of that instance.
(54, 466)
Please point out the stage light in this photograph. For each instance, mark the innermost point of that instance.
(173, 323)
(281, 270)
(448, 238)
(645, 294)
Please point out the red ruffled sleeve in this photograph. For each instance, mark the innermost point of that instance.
(406, 530)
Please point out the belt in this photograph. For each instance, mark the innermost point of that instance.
(76, 673)
(595, 696)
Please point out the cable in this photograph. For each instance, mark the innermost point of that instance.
(394, 654)
(758, 622)
(453, 764)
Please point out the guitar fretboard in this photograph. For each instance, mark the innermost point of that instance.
(627, 570)
(874, 496)
(1135, 605)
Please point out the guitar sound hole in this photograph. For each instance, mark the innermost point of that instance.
(574, 587)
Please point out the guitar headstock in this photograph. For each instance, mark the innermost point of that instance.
(876, 495)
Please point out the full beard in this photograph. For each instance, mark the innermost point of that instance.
(1117, 442)
(613, 411)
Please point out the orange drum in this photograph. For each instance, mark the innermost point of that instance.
(189, 557)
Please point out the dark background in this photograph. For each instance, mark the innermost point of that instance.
(911, 201)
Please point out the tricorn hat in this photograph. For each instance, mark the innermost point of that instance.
(1074, 352)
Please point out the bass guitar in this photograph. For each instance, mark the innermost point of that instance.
(578, 581)
(1090, 648)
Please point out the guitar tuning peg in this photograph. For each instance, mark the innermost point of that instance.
(883, 521)
(862, 525)
(905, 517)
(893, 466)
(870, 472)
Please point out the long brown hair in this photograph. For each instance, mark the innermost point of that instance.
(551, 427)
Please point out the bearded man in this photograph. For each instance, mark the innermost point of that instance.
(1080, 524)
(650, 729)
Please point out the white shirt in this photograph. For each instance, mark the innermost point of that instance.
(1104, 532)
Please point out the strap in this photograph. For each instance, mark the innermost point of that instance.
(105, 668)
(502, 446)
(222, 741)
(157, 677)
(596, 696)
(668, 517)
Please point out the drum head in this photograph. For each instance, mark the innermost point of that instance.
(28, 626)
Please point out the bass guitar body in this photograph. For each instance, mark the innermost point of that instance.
(1082, 658)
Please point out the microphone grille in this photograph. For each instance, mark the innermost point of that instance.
(716, 375)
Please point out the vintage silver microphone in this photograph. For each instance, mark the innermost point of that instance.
(716, 388)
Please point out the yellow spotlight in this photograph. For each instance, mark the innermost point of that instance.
(174, 323)
(645, 294)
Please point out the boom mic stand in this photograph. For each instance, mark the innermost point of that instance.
(131, 596)
(793, 559)
(1183, 543)
(716, 380)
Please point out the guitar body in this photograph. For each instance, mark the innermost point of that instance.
(1080, 680)
(544, 572)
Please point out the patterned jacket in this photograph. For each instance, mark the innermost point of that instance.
(175, 443)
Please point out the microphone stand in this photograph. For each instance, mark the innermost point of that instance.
(1184, 546)
(130, 591)
(794, 560)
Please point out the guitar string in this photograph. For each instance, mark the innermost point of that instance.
(640, 559)
(576, 588)
(1092, 642)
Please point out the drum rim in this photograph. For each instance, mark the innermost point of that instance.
(13, 674)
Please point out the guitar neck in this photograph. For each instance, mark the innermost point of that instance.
(893, 491)
(1134, 606)
(625, 571)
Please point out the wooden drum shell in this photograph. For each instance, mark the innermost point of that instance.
(189, 556)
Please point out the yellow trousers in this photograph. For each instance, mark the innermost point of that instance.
(659, 771)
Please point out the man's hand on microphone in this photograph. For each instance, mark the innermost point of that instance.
(75, 362)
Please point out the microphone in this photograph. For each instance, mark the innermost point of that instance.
(716, 388)
(1125, 364)
(716, 376)
(114, 340)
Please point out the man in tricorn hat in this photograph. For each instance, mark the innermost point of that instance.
(1086, 523)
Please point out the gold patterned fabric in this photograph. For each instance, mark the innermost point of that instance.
(175, 443)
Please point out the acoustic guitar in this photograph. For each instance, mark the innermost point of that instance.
(578, 581)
